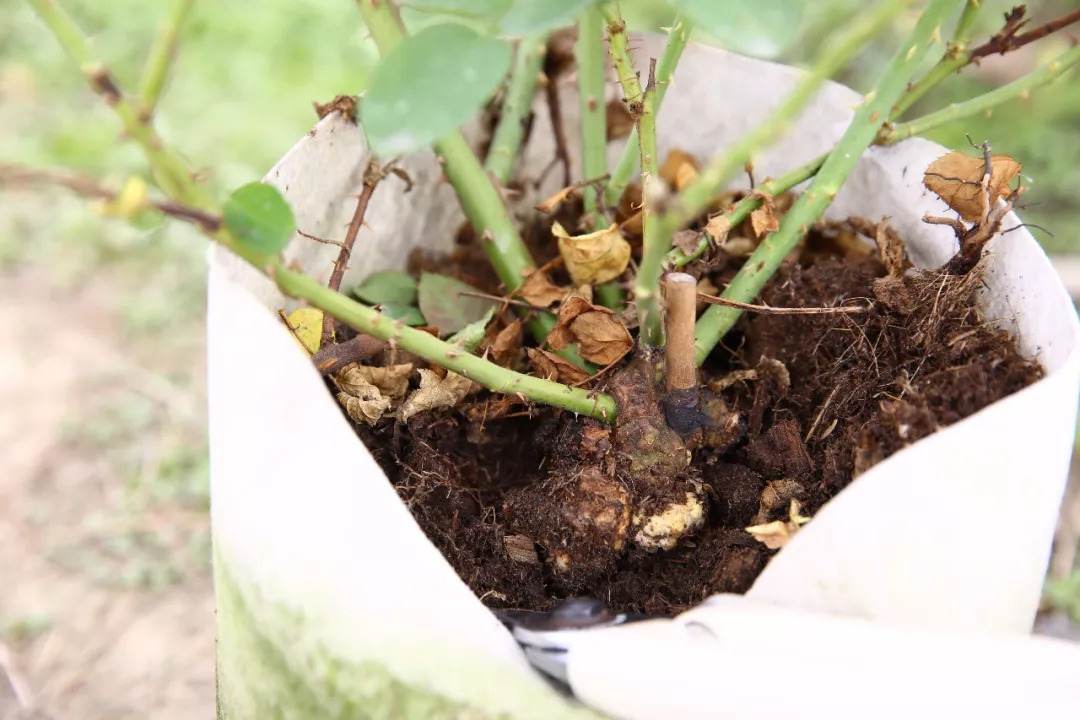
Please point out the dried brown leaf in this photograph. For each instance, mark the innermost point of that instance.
(552, 367)
(367, 408)
(718, 228)
(603, 338)
(540, 291)
(763, 220)
(686, 240)
(619, 121)
(436, 392)
(506, 344)
(679, 170)
(597, 257)
(705, 286)
(558, 198)
(633, 225)
(957, 179)
(521, 548)
(392, 382)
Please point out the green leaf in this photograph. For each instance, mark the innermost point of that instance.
(445, 307)
(528, 17)
(429, 84)
(389, 287)
(763, 28)
(260, 218)
(482, 9)
(405, 313)
(470, 336)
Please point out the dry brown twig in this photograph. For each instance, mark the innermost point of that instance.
(770, 310)
(1007, 39)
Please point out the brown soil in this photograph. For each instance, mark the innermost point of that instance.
(506, 492)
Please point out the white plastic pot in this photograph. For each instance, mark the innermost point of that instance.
(331, 601)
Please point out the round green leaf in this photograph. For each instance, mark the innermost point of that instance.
(480, 9)
(763, 28)
(429, 84)
(260, 218)
(443, 305)
(528, 17)
(389, 287)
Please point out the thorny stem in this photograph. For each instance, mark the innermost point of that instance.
(642, 106)
(693, 200)
(678, 34)
(589, 53)
(954, 58)
(506, 142)
(680, 372)
(372, 175)
(763, 263)
(170, 172)
(480, 199)
(1008, 40)
(162, 54)
(890, 134)
(495, 378)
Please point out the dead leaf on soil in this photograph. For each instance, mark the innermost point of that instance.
(602, 338)
(597, 257)
(686, 240)
(552, 367)
(777, 534)
(679, 170)
(633, 225)
(436, 392)
(718, 228)
(507, 343)
(619, 122)
(392, 381)
(763, 220)
(521, 548)
(538, 290)
(957, 179)
(367, 407)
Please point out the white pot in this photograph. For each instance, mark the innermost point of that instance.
(330, 598)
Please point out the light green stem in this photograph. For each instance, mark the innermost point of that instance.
(506, 142)
(170, 172)
(678, 35)
(480, 199)
(589, 53)
(656, 241)
(955, 57)
(162, 53)
(761, 266)
(693, 200)
(983, 103)
(493, 377)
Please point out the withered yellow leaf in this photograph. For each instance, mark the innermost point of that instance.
(718, 228)
(367, 408)
(552, 367)
(307, 323)
(777, 534)
(593, 258)
(436, 392)
(392, 381)
(679, 169)
(539, 290)
(558, 198)
(763, 220)
(957, 178)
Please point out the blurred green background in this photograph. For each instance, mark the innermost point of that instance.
(240, 95)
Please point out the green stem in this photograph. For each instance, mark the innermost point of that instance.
(655, 237)
(493, 377)
(693, 200)
(761, 266)
(170, 172)
(589, 53)
(983, 103)
(678, 35)
(480, 199)
(506, 142)
(955, 58)
(162, 53)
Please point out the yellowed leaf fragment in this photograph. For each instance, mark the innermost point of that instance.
(436, 392)
(679, 170)
(763, 220)
(392, 381)
(540, 291)
(593, 258)
(778, 533)
(957, 179)
(307, 323)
